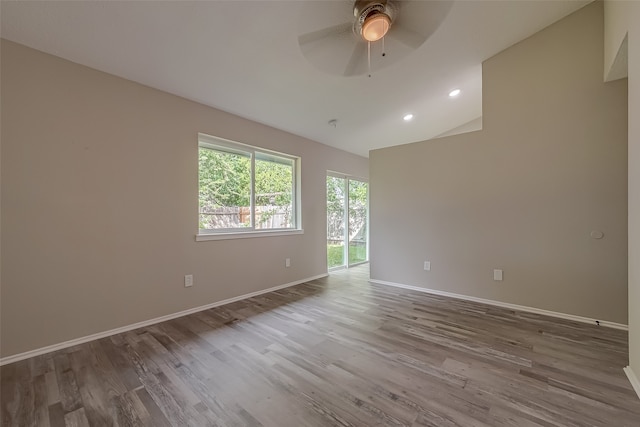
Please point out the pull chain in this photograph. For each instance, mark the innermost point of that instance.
(369, 54)
(369, 57)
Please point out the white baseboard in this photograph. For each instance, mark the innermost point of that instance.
(635, 383)
(507, 305)
(48, 349)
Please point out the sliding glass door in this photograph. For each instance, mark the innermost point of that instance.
(358, 221)
(347, 221)
(336, 220)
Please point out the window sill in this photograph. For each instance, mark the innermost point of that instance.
(203, 237)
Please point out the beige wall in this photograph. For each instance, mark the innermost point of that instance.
(99, 204)
(634, 189)
(524, 193)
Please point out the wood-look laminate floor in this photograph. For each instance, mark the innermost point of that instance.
(334, 352)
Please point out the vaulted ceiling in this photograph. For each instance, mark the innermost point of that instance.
(273, 62)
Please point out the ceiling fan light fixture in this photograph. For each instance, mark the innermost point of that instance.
(375, 27)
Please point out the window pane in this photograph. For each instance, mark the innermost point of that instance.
(243, 188)
(225, 189)
(274, 189)
(335, 221)
(357, 221)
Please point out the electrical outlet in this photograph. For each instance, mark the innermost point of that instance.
(497, 275)
(188, 280)
(287, 262)
(427, 265)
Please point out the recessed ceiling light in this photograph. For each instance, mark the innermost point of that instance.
(454, 93)
(408, 117)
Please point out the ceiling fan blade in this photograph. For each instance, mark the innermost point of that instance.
(406, 36)
(325, 32)
(357, 57)
(418, 20)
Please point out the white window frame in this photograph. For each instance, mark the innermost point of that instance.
(221, 144)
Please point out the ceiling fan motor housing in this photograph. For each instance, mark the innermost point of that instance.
(363, 9)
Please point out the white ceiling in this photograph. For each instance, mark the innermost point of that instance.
(244, 57)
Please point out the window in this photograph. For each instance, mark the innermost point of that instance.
(245, 190)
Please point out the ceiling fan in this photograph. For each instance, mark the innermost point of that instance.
(363, 36)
